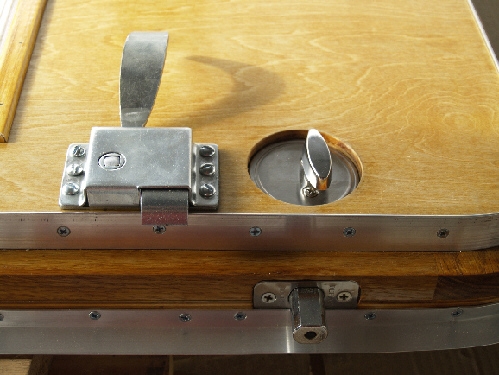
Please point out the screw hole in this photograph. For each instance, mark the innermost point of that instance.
(310, 335)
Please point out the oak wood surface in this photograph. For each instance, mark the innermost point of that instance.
(225, 279)
(21, 27)
(409, 86)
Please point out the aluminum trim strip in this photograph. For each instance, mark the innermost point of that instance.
(208, 332)
(123, 230)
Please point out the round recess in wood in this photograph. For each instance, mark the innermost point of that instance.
(305, 168)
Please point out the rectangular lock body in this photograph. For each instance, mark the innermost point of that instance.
(122, 161)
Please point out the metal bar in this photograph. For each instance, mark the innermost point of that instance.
(206, 332)
(123, 230)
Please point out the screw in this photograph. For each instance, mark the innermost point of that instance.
(74, 169)
(207, 169)
(185, 318)
(159, 229)
(310, 192)
(344, 297)
(94, 315)
(206, 151)
(268, 297)
(457, 312)
(78, 151)
(70, 188)
(207, 190)
(370, 316)
(63, 231)
(349, 232)
(240, 316)
(1, 317)
(442, 233)
(255, 231)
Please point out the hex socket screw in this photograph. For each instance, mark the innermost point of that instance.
(349, 232)
(370, 316)
(443, 233)
(94, 315)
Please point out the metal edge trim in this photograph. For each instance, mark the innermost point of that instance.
(123, 230)
(208, 332)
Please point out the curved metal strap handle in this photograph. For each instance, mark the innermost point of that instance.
(142, 64)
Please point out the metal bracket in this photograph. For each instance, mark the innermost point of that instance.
(158, 170)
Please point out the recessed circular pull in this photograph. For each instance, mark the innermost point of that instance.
(305, 168)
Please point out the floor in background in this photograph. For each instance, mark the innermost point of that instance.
(471, 361)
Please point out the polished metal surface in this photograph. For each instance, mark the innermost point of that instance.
(142, 64)
(123, 230)
(155, 158)
(309, 316)
(277, 170)
(316, 161)
(211, 332)
(336, 294)
(164, 206)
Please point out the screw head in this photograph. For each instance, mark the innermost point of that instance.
(344, 297)
(206, 151)
(268, 297)
(78, 151)
(310, 192)
(370, 316)
(63, 231)
(185, 317)
(74, 169)
(207, 169)
(349, 232)
(207, 190)
(1, 317)
(443, 233)
(255, 231)
(240, 316)
(94, 315)
(159, 229)
(457, 312)
(70, 188)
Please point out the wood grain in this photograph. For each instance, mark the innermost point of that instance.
(409, 86)
(15, 52)
(225, 279)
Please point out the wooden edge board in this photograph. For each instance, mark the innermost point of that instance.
(14, 58)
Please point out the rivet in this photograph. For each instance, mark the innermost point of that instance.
(268, 297)
(185, 317)
(78, 151)
(63, 231)
(255, 231)
(70, 188)
(207, 190)
(206, 151)
(94, 315)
